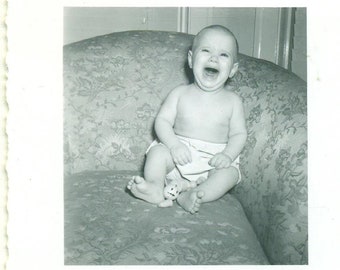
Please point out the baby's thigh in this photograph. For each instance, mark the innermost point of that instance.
(159, 154)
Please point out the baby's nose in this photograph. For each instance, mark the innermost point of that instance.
(213, 58)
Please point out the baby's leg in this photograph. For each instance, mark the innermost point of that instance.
(191, 200)
(185, 184)
(218, 183)
(158, 164)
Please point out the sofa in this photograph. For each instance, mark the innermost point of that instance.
(113, 87)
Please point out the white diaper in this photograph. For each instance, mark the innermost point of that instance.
(201, 153)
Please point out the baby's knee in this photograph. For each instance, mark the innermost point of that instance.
(234, 173)
(159, 152)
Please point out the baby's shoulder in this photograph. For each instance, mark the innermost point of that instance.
(232, 96)
(179, 90)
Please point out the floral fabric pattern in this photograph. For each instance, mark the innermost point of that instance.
(274, 161)
(106, 226)
(113, 88)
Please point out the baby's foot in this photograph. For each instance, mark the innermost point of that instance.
(200, 180)
(145, 190)
(190, 200)
(186, 185)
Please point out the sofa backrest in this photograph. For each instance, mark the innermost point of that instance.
(113, 88)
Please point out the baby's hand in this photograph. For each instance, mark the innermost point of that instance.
(220, 160)
(180, 154)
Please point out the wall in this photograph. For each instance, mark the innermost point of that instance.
(239, 20)
(299, 50)
(264, 33)
(82, 23)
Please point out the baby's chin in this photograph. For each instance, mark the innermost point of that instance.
(210, 87)
(211, 83)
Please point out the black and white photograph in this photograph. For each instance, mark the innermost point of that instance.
(169, 135)
(206, 129)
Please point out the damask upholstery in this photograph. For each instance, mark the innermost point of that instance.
(113, 87)
(104, 226)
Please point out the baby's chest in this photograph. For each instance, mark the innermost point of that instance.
(204, 111)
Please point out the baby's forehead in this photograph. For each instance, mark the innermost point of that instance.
(214, 32)
(203, 39)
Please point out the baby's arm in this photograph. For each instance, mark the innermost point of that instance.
(237, 137)
(164, 124)
(237, 130)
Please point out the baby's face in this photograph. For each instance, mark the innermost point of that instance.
(213, 60)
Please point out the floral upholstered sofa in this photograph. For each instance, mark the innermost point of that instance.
(113, 87)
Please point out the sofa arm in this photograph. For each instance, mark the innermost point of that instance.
(273, 191)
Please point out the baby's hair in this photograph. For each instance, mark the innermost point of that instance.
(216, 27)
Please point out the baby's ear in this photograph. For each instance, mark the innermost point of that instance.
(190, 58)
(233, 70)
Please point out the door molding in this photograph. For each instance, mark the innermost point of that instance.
(183, 19)
(285, 42)
(273, 33)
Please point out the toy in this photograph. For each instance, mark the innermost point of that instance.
(174, 188)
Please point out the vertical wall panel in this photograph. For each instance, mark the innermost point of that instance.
(299, 54)
(164, 19)
(266, 34)
(86, 22)
(239, 20)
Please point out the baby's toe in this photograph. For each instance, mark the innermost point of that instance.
(129, 185)
(200, 194)
(137, 179)
(200, 180)
(198, 203)
(195, 209)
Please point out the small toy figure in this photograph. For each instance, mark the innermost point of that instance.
(175, 187)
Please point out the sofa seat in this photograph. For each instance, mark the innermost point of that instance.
(105, 225)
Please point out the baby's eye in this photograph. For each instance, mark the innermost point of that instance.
(224, 55)
(205, 50)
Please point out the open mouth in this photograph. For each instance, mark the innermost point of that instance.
(209, 71)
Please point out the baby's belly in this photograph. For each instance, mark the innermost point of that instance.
(205, 132)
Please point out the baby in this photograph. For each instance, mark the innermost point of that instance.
(200, 127)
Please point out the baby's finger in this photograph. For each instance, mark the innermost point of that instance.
(219, 164)
(178, 161)
(212, 162)
(225, 164)
(188, 157)
(183, 159)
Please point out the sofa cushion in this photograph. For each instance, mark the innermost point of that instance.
(106, 225)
